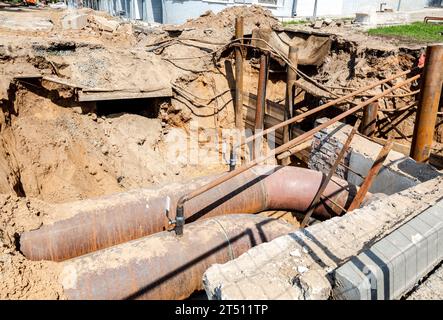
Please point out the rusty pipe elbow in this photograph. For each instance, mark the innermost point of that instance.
(99, 223)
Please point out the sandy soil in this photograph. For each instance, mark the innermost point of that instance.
(57, 150)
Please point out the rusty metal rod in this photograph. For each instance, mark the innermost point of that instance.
(335, 203)
(330, 174)
(369, 121)
(353, 171)
(322, 107)
(291, 77)
(302, 146)
(239, 74)
(260, 104)
(179, 219)
(372, 174)
(261, 92)
(430, 93)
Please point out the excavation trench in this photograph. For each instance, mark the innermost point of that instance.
(103, 222)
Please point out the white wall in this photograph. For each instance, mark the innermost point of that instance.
(178, 11)
(305, 8)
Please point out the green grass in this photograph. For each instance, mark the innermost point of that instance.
(426, 32)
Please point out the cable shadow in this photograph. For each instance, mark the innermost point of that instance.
(230, 77)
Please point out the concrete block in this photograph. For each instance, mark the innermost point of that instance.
(74, 21)
(353, 284)
(316, 252)
(396, 262)
(318, 24)
(398, 173)
(105, 24)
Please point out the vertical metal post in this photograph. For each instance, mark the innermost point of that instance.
(368, 124)
(239, 75)
(291, 76)
(260, 105)
(314, 14)
(430, 93)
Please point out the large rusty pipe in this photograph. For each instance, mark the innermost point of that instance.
(162, 266)
(430, 94)
(179, 220)
(97, 224)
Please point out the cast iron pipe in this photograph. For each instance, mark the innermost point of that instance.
(162, 266)
(111, 220)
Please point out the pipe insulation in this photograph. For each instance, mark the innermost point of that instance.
(163, 266)
(91, 225)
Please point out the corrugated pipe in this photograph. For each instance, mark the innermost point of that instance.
(163, 266)
(107, 221)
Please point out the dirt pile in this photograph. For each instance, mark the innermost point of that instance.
(222, 24)
(19, 277)
(59, 154)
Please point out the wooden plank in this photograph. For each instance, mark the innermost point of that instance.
(120, 95)
(61, 82)
(28, 76)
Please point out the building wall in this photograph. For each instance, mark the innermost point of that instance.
(178, 11)
(305, 8)
(351, 7)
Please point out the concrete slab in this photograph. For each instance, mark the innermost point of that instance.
(398, 173)
(105, 24)
(17, 23)
(320, 251)
(404, 256)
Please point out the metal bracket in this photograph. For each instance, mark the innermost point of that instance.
(179, 221)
